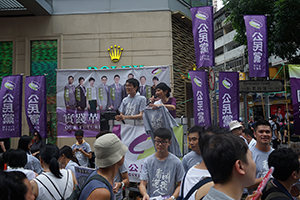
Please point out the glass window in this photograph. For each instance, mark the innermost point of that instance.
(44, 61)
(6, 59)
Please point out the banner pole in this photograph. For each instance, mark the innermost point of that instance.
(286, 106)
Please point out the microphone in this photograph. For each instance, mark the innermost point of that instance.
(149, 102)
(118, 113)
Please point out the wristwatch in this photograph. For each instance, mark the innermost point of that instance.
(173, 197)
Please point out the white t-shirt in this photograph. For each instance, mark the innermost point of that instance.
(193, 176)
(29, 173)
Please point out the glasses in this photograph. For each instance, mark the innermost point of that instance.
(163, 142)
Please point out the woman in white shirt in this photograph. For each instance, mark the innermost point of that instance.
(67, 158)
(52, 183)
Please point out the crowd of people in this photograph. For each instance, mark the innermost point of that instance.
(223, 164)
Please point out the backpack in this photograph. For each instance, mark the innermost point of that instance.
(194, 188)
(76, 193)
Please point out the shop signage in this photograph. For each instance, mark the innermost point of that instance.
(261, 86)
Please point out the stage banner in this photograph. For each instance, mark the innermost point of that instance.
(229, 100)
(83, 94)
(36, 104)
(294, 71)
(256, 28)
(201, 98)
(139, 146)
(11, 106)
(203, 31)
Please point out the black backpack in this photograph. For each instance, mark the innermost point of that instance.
(76, 193)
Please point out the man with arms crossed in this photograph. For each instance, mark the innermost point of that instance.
(162, 171)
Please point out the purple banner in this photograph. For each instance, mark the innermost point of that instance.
(256, 27)
(201, 98)
(70, 120)
(228, 98)
(203, 31)
(36, 104)
(294, 71)
(11, 106)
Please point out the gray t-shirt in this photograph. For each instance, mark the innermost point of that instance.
(118, 178)
(261, 160)
(274, 127)
(71, 166)
(161, 176)
(161, 118)
(191, 159)
(133, 105)
(83, 161)
(214, 194)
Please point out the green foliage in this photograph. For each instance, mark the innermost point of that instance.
(6, 58)
(282, 21)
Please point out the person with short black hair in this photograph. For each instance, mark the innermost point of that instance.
(69, 94)
(275, 135)
(286, 173)
(132, 106)
(81, 149)
(163, 94)
(37, 145)
(91, 97)
(80, 96)
(278, 114)
(15, 186)
(162, 172)
(194, 157)
(116, 93)
(103, 94)
(230, 164)
(248, 135)
(53, 183)
(145, 90)
(261, 151)
(155, 81)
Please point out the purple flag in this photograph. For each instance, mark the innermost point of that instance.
(201, 98)
(36, 104)
(203, 31)
(11, 106)
(228, 98)
(256, 27)
(294, 71)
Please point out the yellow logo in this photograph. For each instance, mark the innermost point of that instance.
(115, 53)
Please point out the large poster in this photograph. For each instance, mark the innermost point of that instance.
(256, 28)
(11, 106)
(83, 94)
(203, 31)
(35, 104)
(294, 71)
(229, 100)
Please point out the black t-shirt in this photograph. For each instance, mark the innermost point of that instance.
(291, 128)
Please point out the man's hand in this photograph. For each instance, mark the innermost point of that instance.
(146, 197)
(117, 187)
(249, 197)
(120, 117)
(294, 191)
(67, 107)
(101, 107)
(79, 108)
(111, 106)
(153, 106)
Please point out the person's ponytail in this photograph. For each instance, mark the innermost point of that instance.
(54, 167)
(50, 154)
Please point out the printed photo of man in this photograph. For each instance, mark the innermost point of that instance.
(91, 97)
(145, 90)
(80, 95)
(116, 93)
(103, 94)
(69, 94)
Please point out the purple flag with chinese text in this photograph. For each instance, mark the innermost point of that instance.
(228, 98)
(294, 71)
(11, 106)
(201, 98)
(256, 28)
(36, 104)
(203, 31)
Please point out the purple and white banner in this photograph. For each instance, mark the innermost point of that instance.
(79, 103)
(201, 98)
(36, 104)
(294, 71)
(228, 98)
(203, 31)
(256, 27)
(11, 106)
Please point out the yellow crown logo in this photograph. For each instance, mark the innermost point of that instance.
(115, 53)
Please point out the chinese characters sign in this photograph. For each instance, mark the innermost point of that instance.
(256, 26)
(294, 71)
(201, 98)
(203, 31)
(11, 106)
(35, 104)
(228, 98)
